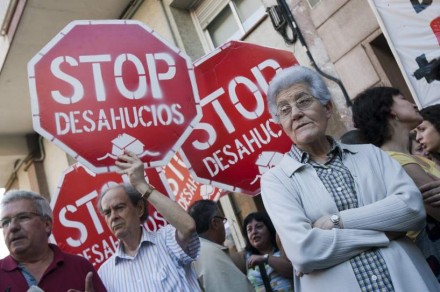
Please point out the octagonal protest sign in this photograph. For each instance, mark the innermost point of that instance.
(185, 188)
(236, 140)
(78, 227)
(100, 87)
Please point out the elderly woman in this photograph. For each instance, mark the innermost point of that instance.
(340, 210)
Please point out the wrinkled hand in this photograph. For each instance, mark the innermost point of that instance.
(132, 166)
(326, 224)
(254, 260)
(431, 193)
(88, 285)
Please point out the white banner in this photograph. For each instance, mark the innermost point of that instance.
(412, 29)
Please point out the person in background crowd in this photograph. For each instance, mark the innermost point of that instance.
(147, 261)
(215, 269)
(428, 132)
(415, 148)
(267, 266)
(341, 211)
(385, 118)
(26, 220)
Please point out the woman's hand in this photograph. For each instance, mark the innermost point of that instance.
(431, 193)
(255, 260)
(280, 264)
(326, 224)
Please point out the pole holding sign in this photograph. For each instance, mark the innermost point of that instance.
(185, 188)
(100, 87)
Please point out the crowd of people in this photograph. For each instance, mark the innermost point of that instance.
(357, 214)
(386, 118)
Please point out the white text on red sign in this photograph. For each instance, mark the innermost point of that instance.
(115, 118)
(230, 154)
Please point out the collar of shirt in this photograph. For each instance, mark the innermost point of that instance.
(10, 264)
(304, 157)
(207, 241)
(146, 238)
(296, 158)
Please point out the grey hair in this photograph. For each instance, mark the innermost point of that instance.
(134, 196)
(296, 75)
(202, 212)
(40, 203)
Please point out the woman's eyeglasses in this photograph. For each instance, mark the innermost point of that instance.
(284, 110)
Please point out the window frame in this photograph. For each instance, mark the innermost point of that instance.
(207, 11)
(313, 5)
(11, 13)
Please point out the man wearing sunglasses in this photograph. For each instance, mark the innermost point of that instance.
(26, 221)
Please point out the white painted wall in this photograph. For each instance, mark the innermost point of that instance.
(54, 164)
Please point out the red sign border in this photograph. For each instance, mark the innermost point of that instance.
(225, 187)
(35, 106)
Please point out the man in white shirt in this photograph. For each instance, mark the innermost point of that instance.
(147, 261)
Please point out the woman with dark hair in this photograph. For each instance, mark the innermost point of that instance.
(385, 118)
(266, 265)
(415, 148)
(372, 111)
(428, 132)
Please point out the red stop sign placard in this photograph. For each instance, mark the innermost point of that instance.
(100, 87)
(236, 140)
(185, 189)
(78, 226)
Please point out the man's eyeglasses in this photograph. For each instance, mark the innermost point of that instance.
(284, 110)
(224, 219)
(19, 218)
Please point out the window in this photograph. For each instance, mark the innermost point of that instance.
(10, 13)
(313, 3)
(222, 27)
(220, 21)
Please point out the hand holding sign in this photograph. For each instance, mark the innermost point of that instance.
(132, 166)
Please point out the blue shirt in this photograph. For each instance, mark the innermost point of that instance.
(160, 264)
